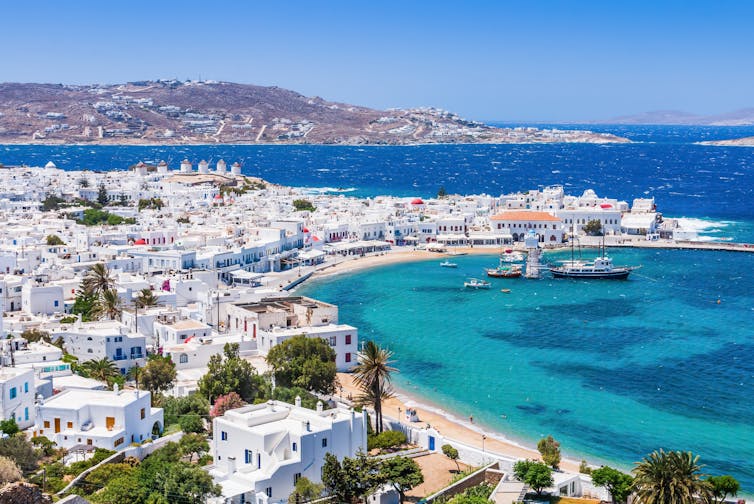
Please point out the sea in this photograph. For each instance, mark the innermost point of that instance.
(612, 369)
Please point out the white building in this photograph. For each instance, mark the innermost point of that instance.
(41, 299)
(516, 223)
(271, 321)
(104, 339)
(100, 418)
(17, 395)
(260, 451)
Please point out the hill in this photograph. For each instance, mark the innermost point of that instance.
(175, 112)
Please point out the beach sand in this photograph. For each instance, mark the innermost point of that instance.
(452, 428)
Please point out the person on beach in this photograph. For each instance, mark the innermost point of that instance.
(471, 419)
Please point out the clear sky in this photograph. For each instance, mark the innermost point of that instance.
(496, 60)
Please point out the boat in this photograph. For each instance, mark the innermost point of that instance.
(505, 272)
(505, 291)
(448, 264)
(601, 268)
(475, 283)
(512, 256)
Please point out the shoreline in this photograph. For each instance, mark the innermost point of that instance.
(453, 427)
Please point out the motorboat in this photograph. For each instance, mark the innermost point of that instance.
(448, 264)
(475, 283)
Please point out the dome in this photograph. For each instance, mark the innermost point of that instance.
(417, 201)
(50, 164)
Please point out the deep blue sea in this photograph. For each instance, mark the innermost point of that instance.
(613, 370)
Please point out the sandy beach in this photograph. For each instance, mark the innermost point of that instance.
(453, 428)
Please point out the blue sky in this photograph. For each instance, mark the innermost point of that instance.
(523, 60)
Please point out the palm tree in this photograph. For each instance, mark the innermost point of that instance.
(669, 478)
(108, 306)
(372, 375)
(145, 299)
(103, 370)
(98, 280)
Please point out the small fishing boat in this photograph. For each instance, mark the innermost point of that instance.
(503, 272)
(505, 291)
(475, 283)
(448, 264)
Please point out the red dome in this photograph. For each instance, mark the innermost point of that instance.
(140, 241)
(417, 201)
(306, 230)
(218, 196)
(314, 238)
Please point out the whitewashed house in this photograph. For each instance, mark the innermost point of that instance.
(260, 451)
(17, 395)
(100, 418)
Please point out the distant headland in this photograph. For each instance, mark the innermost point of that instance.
(172, 112)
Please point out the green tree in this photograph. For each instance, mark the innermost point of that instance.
(9, 427)
(303, 204)
(584, 467)
(289, 395)
(193, 444)
(102, 475)
(102, 194)
(83, 182)
(231, 373)
(450, 452)
(174, 408)
(146, 299)
(97, 280)
(187, 483)
(305, 491)
(669, 478)
(84, 304)
(535, 474)
(387, 439)
(19, 450)
(402, 473)
(372, 376)
(720, 487)
(158, 374)
(593, 228)
(109, 306)
(441, 192)
(191, 423)
(124, 489)
(616, 482)
(352, 479)
(53, 240)
(550, 451)
(103, 370)
(52, 202)
(304, 362)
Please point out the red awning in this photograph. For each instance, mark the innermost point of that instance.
(140, 241)
(606, 205)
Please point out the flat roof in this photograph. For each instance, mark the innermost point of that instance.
(74, 399)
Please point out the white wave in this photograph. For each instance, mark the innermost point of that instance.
(702, 225)
(322, 190)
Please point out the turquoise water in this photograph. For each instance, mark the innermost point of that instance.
(612, 369)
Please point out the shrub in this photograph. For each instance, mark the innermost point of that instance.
(386, 440)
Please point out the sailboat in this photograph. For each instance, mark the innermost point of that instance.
(601, 268)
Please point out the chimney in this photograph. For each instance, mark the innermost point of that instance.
(319, 406)
(297, 402)
(231, 465)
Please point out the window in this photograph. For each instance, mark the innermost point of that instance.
(109, 423)
(348, 357)
(268, 491)
(47, 424)
(324, 442)
(26, 387)
(142, 413)
(56, 303)
(26, 414)
(295, 447)
(13, 393)
(296, 477)
(332, 341)
(348, 339)
(183, 359)
(118, 442)
(223, 436)
(69, 425)
(248, 456)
